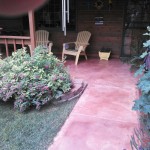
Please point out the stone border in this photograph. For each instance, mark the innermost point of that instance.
(76, 92)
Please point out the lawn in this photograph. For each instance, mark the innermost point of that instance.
(33, 129)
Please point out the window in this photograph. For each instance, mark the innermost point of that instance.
(50, 15)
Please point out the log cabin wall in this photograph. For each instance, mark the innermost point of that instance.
(108, 34)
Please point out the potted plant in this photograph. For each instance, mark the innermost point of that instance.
(104, 53)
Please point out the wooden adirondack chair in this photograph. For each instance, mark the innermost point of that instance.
(42, 38)
(79, 48)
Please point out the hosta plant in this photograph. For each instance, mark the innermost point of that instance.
(32, 81)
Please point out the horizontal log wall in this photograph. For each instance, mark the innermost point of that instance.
(107, 35)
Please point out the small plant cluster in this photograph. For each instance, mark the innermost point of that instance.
(103, 49)
(137, 140)
(143, 103)
(142, 62)
(32, 81)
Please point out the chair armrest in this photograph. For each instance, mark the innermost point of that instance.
(80, 43)
(69, 43)
(49, 43)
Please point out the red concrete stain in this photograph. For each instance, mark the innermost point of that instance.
(102, 119)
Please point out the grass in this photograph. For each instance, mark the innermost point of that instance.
(32, 130)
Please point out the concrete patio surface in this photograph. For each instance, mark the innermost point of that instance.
(103, 118)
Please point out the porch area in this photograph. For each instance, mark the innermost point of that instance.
(103, 118)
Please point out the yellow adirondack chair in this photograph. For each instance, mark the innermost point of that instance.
(80, 46)
(42, 38)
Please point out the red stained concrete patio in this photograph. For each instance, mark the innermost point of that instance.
(102, 118)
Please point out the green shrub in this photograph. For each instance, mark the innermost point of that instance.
(143, 103)
(137, 140)
(32, 81)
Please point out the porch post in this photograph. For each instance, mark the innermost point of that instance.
(32, 30)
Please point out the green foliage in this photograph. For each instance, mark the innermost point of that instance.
(144, 54)
(144, 58)
(144, 83)
(140, 70)
(135, 63)
(32, 81)
(137, 140)
(143, 103)
(146, 44)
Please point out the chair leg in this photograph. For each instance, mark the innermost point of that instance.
(62, 56)
(77, 58)
(85, 55)
(31, 53)
(50, 48)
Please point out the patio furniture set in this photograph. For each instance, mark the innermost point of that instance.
(76, 48)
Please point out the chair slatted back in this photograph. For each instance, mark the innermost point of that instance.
(41, 37)
(83, 37)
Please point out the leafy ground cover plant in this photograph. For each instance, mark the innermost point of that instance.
(137, 61)
(143, 103)
(137, 140)
(32, 81)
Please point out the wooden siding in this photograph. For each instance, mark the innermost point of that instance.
(107, 35)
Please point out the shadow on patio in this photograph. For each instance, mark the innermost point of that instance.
(102, 118)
